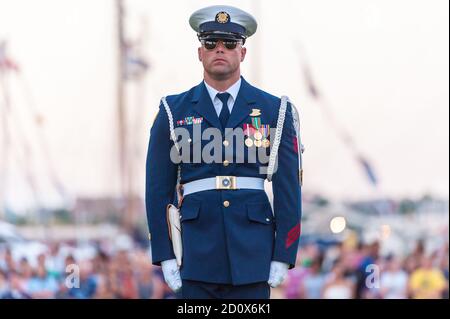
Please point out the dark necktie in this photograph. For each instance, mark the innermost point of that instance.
(225, 112)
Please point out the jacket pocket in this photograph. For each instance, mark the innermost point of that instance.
(189, 210)
(260, 212)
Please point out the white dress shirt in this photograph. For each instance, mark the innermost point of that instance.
(232, 90)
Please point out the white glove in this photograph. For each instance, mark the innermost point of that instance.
(171, 274)
(278, 272)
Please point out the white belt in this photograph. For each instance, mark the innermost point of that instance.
(223, 182)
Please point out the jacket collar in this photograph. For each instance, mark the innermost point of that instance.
(241, 109)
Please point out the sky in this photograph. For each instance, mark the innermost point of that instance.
(382, 67)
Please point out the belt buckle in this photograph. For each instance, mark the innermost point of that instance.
(225, 182)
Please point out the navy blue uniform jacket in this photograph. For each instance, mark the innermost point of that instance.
(234, 244)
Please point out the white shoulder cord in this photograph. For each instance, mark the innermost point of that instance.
(173, 137)
(277, 138)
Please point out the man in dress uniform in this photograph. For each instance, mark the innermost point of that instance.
(235, 245)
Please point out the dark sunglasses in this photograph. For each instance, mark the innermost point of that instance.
(212, 44)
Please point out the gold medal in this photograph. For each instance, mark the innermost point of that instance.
(258, 143)
(248, 142)
(258, 135)
(265, 143)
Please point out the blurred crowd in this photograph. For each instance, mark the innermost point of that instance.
(124, 274)
(336, 272)
(359, 271)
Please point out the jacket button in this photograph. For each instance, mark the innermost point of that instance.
(226, 163)
(226, 203)
(226, 143)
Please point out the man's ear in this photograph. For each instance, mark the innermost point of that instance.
(243, 53)
(199, 54)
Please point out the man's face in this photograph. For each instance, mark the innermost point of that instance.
(221, 62)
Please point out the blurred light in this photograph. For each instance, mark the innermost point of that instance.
(385, 231)
(337, 224)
